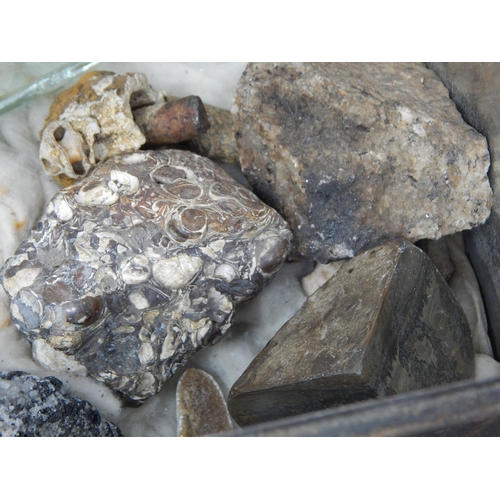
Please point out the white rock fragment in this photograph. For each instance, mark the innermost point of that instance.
(23, 279)
(54, 359)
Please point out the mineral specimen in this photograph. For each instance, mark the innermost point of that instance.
(354, 154)
(386, 323)
(201, 407)
(172, 122)
(92, 121)
(475, 87)
(140, 264)
(35, 407)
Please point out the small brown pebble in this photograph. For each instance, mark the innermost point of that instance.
(201, 408)
(172, 122)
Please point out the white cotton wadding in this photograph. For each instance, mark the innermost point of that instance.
(486, 367)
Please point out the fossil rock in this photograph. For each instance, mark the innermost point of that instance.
(139, 265)
(92, 121)
(201, 407)
(354, 154)
(386, 323)
(38, 407)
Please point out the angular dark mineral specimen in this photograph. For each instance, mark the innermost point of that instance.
(355, 154)
(386, 323)
(139, 265)
(37, 407)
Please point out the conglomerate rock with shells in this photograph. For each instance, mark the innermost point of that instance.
(134, 268)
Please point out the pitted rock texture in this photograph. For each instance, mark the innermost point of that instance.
(92, 121)
(354, 154)
(139, 265)
(38, 407)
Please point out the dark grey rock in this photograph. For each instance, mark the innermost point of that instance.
(437, 251)
(139, 265)
(385, 323)
(475, 88)
(38, 407)
(355, 154)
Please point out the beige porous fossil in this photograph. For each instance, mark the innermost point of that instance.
(93, 121)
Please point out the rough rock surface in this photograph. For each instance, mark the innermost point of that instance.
(139, 265)
(201, 407)
(92, 121)
(37, 407)
(354, 154)
(386, 323)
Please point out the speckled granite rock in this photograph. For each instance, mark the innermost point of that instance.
(385, 323)
(201, 407)
(354, 154)
(139, 265)
(37, 407)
